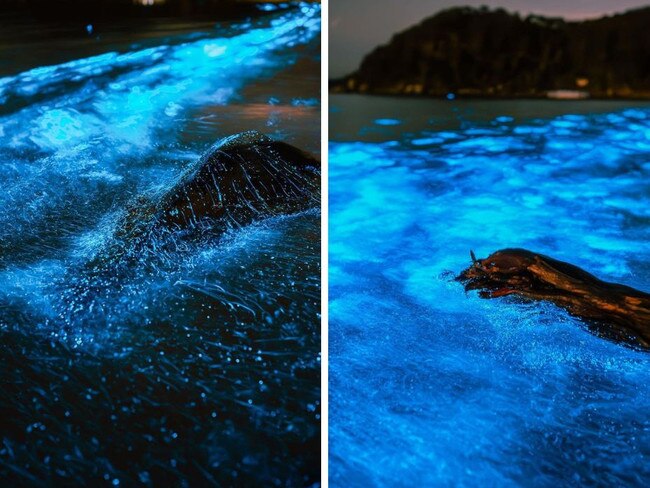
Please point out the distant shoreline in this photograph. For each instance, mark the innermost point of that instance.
(483, 53)
(492, 97)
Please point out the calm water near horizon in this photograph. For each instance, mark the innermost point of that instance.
(432, 386)
(377, 118)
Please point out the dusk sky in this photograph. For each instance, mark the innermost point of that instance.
(357, 26)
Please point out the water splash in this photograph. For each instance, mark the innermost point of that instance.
(428, 385)
(201, 364)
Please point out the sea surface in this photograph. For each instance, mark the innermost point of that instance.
(430, 386)
(200, 366)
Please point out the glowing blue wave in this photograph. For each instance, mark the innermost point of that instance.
(200, 362)
(80, 138)
(430, 386)
(127, 97)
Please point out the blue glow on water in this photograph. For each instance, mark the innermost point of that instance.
(200, 365)
(268, 7)
(95, 117)
(426, 141)
(387, 122)
(305, 102)
(430, 386)
(127, 92)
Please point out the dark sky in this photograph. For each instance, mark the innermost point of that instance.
(357, 26)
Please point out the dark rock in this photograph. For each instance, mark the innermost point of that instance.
(239, 180)
(242, 178)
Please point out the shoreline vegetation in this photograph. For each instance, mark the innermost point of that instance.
(467, 52)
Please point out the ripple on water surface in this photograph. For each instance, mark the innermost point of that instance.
(201, 364)
(429, 384)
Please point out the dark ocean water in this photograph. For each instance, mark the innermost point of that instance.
(430, 386)
(197, 367)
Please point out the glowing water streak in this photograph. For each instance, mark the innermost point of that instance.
(88, 130)
(430, 385)
(122, 97)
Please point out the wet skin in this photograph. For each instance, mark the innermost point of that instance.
(613, 311)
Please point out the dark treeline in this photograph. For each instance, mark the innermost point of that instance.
(485, 52)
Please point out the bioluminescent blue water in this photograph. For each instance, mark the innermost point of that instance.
(200, 366)
(430, 386)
